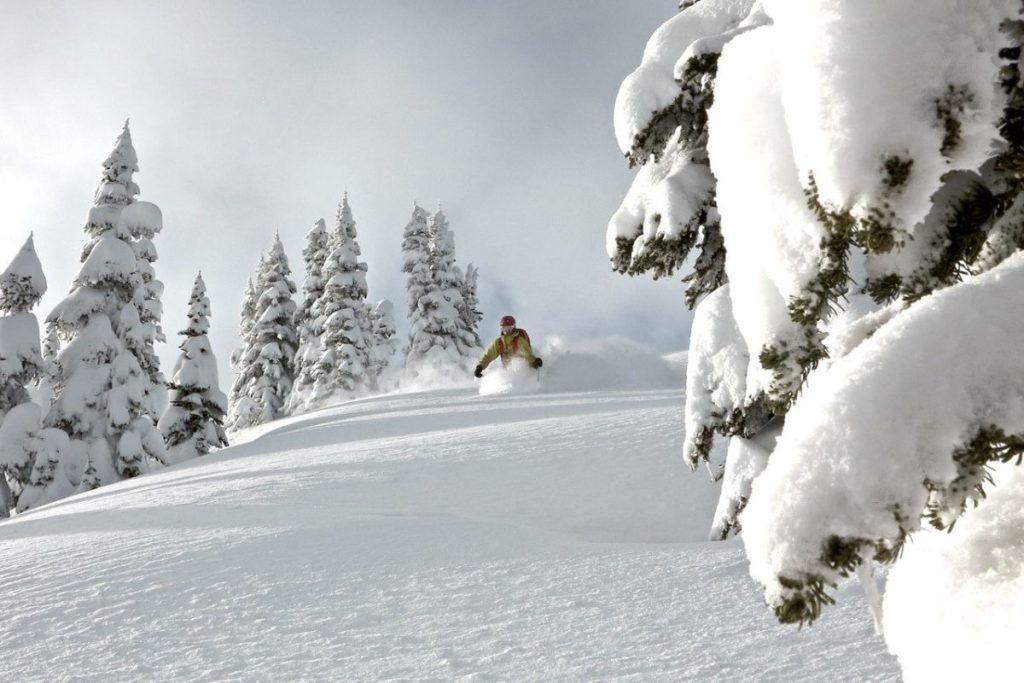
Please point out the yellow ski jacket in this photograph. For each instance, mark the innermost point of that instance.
(515, 343)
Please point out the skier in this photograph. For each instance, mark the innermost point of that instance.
(511, 342)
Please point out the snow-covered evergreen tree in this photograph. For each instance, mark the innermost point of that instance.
(343, 318)
(385, 341)
(469, 312)
(22, 285)
(265, 360)
(106, 381)
(416, 259)
(247, 316)
(241, 408)
(864, 360)
(308, 355)
(194, 420)
(440, 343)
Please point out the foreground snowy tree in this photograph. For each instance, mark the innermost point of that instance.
(107, 385)
(194, 420)
(343, 319)
(265, 360)
(864, 358)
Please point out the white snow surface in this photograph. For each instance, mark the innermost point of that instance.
(433, 536)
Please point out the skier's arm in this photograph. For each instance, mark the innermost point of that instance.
(526, 349)
(490, 354)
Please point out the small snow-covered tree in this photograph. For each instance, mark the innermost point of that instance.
(241, 406)
(247, 316)
(343, 317)
(106, 381)
(469, 311)
(864, 360)
(22, 285)
(264, 361)
(385, 340)
(194, 420)
(307, 356)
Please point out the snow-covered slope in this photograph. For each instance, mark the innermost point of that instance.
(440, 536)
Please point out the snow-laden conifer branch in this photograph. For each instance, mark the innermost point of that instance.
(866, 454)
(860, 208)
(661, 123)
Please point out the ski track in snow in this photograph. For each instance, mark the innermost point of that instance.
(436, 536)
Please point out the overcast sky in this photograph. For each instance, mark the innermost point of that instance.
(250, 117)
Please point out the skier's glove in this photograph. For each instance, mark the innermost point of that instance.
(537, 363)
(479, 372)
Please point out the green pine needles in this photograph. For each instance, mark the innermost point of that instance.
(682, 123)
(687, 114)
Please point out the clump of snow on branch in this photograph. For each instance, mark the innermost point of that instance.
(865, 81)
(716, 373)
(653, 87)
(977, 572)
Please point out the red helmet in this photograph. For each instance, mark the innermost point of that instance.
(507, 321)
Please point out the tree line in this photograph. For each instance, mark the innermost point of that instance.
(103, 411)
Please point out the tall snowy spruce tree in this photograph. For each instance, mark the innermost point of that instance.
(108, 389)
(441, 345)
(863, 360)
(22, 285)
(314, 255)
(194, 420)
(342, 316)
(265, 360)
